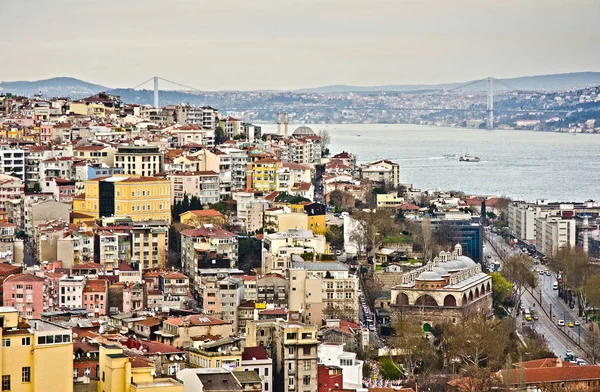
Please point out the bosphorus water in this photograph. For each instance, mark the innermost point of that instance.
(523, 165)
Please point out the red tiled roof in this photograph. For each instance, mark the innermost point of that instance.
(25, 277)
(254, 353)
(552, 374)
(280, 311)
(205, 213)
(206, 232)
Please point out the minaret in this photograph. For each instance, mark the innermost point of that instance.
(586, 227)
(285, 125)
(278, 122)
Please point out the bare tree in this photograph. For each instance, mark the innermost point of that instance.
(574, 264)
(426, 237)
(517, 269)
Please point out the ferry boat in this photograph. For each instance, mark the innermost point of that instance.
(469, 158)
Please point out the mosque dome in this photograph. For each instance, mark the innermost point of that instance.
(439, 270)
(304, 131)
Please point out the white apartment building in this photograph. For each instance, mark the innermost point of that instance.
(11, 189)
(382, 172)
(238, 165)
(338, 296)
(333, 354)
(294, 241)
(34, 155)
(256, 358)
(60, 167)
(202, 184)
(553, 233)
(70, 289)
(12, 162)
(231, 292)
(143, 161)
(205, 117)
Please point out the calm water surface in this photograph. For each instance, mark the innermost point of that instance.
(524, 165)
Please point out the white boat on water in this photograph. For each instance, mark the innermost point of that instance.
(450, 156)
(469, 158)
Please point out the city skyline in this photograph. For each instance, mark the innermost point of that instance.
(308, 44)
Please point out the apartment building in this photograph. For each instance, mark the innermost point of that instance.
(12, 162)
(264, 174)
(34, 155)
(70, 289)
(203, 239)
(96, 153)
(11, 190)
(141, 198)
(25, 293)
(256, 359)
(119, 372)
(175, 287)
(382, 173)
(35, 354)
(57, 167)
(333, 355)
(553, 233)
(338, 297)
(202, 184)
(144, 161)
(293, 348)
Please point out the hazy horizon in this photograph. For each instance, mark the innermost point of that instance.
(292, 44)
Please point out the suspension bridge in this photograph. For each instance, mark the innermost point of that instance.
(489, 109)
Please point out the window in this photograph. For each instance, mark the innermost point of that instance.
(6, 342)
(29, 287)
(306, 380)
(266, 371)
(26, 341)
(6, 383)
(291, 351)
(306, 351)
(26, 374)
(306, 364)
(266, 386)
(290, 380)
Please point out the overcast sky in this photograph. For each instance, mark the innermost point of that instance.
(288, 44)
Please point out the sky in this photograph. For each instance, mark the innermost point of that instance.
(290, 44)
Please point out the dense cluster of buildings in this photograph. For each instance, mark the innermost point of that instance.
(176, 248)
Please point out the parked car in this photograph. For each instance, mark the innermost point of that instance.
(561, 323)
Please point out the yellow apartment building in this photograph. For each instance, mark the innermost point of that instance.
(88, 108)
(120, 373)
(389, 201)
(264, 172)
(141, 198)
(36, 355)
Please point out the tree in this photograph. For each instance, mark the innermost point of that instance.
(501, 288)
(389, 370)
(426, 238)
(220, 136)
(592, 289)
(325, 139)
(592, 346)
(518, 269)
(411, 341)
(446, 234)
(249, 253)
(195, 203)
(574, 265)
(371, 228)
(335, 236)
(336, 199)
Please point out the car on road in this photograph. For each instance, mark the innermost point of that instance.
(338, 252)
(581, 362)
(569, 354)
(571, 324)
(555, 286)
(577, 323)
(548, 273)
(561, 323)
(542, 272)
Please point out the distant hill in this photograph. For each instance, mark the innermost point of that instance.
(75, 88)
(554, 82)
(54, 87)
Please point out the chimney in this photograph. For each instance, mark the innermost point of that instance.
(285, 125)
(278, 122)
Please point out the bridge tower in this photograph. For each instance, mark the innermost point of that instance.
(156, 102)
(490, 103)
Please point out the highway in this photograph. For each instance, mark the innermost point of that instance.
(559, 339)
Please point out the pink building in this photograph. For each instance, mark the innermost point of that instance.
(95, 296)
(25, 292)
(46, 133)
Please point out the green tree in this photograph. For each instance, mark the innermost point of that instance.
(389, 370)
(195, 203)
(501, 288)
(220, 135)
